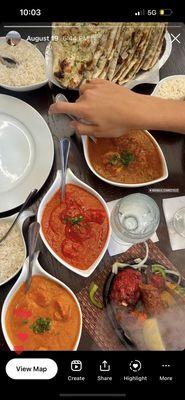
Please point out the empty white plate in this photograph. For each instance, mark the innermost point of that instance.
(26, 151)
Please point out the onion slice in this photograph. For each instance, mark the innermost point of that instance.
(118, 265)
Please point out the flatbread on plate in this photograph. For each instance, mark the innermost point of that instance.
(138, 58)
(154, 45)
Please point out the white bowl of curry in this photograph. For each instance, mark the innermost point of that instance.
(48, 317)
(132, 160)
(76, 230)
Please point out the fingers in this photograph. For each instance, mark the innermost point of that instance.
(97, 80)
(66, 108)
(83, 129)
(90, 84)
(84, 87)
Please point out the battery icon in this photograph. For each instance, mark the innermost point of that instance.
(166, 12)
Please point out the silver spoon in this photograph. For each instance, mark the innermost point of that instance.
(64, 154)
(30, 196)
(61, 97)
(33, 233)
(9, 62)
(12, 39)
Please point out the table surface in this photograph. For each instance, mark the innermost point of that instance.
(173, 146)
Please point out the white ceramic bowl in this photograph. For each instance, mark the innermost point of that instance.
(128, 185)
(168, 78)
(25, 88)
(37, 270)
(20, 222)
(71, 178)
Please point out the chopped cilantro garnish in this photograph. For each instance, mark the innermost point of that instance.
(115, 158)
(74, 220)
(124, 158)
(41, 325)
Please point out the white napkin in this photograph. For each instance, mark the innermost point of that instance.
(116, 248)
(170, 207)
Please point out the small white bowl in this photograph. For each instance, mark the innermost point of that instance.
(20, 222)
(25, 88)
(128, 185)
(71, 178)
(37, 270)
(168, 78)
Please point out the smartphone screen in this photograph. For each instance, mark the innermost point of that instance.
(92, 202)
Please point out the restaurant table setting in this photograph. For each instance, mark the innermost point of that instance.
(103, 249)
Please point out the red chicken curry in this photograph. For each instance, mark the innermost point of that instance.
(77, 227)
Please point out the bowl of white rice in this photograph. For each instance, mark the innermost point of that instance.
(171, 87)
(13, 248)
(30, 70)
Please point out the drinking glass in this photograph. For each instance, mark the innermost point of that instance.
(134, 218)
(179, 221)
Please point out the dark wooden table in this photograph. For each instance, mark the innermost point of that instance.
(173, 146)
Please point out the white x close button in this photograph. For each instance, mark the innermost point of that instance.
(31, 368)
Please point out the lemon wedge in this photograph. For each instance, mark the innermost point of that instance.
(152, 336)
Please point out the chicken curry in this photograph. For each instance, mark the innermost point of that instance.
(132, 158)
(77, 227)
(47, 317)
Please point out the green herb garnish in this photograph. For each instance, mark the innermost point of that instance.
(24, 322)
(114, 160)
(41, 325)
(74, 220)
(124, 158)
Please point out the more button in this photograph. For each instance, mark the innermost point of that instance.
(31, 368)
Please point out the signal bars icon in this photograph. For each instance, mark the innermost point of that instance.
(139, 12)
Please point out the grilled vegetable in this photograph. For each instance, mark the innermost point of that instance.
(152, 335)
(92, 291)
(156, 268)
(179, 290)
(167, 299)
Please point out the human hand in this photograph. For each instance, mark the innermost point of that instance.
(107, 107)
(111, 110)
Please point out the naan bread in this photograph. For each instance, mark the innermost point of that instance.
(130, 60)
(112, 61)
(138, 58)
(157, 51)
(75, 52)
(113, 51)
(111, 58)
(88, 74)
(125, 48)
(106, 52)
(156, 39)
